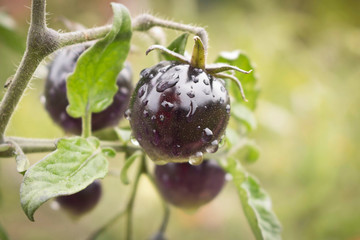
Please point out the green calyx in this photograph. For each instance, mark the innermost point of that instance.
(198, 60)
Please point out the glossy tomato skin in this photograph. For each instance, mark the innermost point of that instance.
(55, 93)
(178, 111)
(83, 201)
(187, 186)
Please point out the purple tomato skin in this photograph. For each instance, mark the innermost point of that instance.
(187, 186)
(55, 93)
(83, 201)
(177, 112)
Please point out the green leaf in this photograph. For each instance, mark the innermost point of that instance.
(3, 234)
(248, 81)
(129, 161)
(178, 46)
(243, 114)
(248, 152)
(92, 85)
(74, 165)
(255, 201)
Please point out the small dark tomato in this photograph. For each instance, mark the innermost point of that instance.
(83, 201)
(188, 186)
(55, 93)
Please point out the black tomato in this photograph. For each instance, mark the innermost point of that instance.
(178, 112)
(188, 186)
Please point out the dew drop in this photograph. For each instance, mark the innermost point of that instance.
(146, 113)
(222, 89)
(191, 112)
(145, 102)
(165, 84)
(213, 147)
(191, 94)
(177, 68)
(207, 135)
(145, 73)
(196, 80)
(228, 108)
(206, 91)
(178, 93)
(167, 105)
(153, 117)
(197, 159)
(141, 91)
(134, 141)
(222, 100)
(127, 114)
(206, 81)
(222, 141)
(151, 75)
(161, 117)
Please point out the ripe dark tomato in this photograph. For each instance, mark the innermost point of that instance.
(83, 201)
(178, 112)
(56, 100)
(189, 186)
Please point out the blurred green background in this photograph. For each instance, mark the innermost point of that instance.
(307, 55)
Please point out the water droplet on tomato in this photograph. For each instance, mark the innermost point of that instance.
(213, 147)
(197, 159)
(127, 114)
(207, 135)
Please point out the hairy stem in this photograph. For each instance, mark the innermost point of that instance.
(145, 22)
(31, 145)
(71, 38)
(12, 96)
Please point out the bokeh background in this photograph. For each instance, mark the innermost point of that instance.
(307, 55)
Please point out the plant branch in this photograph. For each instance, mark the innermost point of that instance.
(145, 22)
(38, 16)
(31, 145)
(130, 205)
(165, 206)
(90, 34)
(96, 234)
